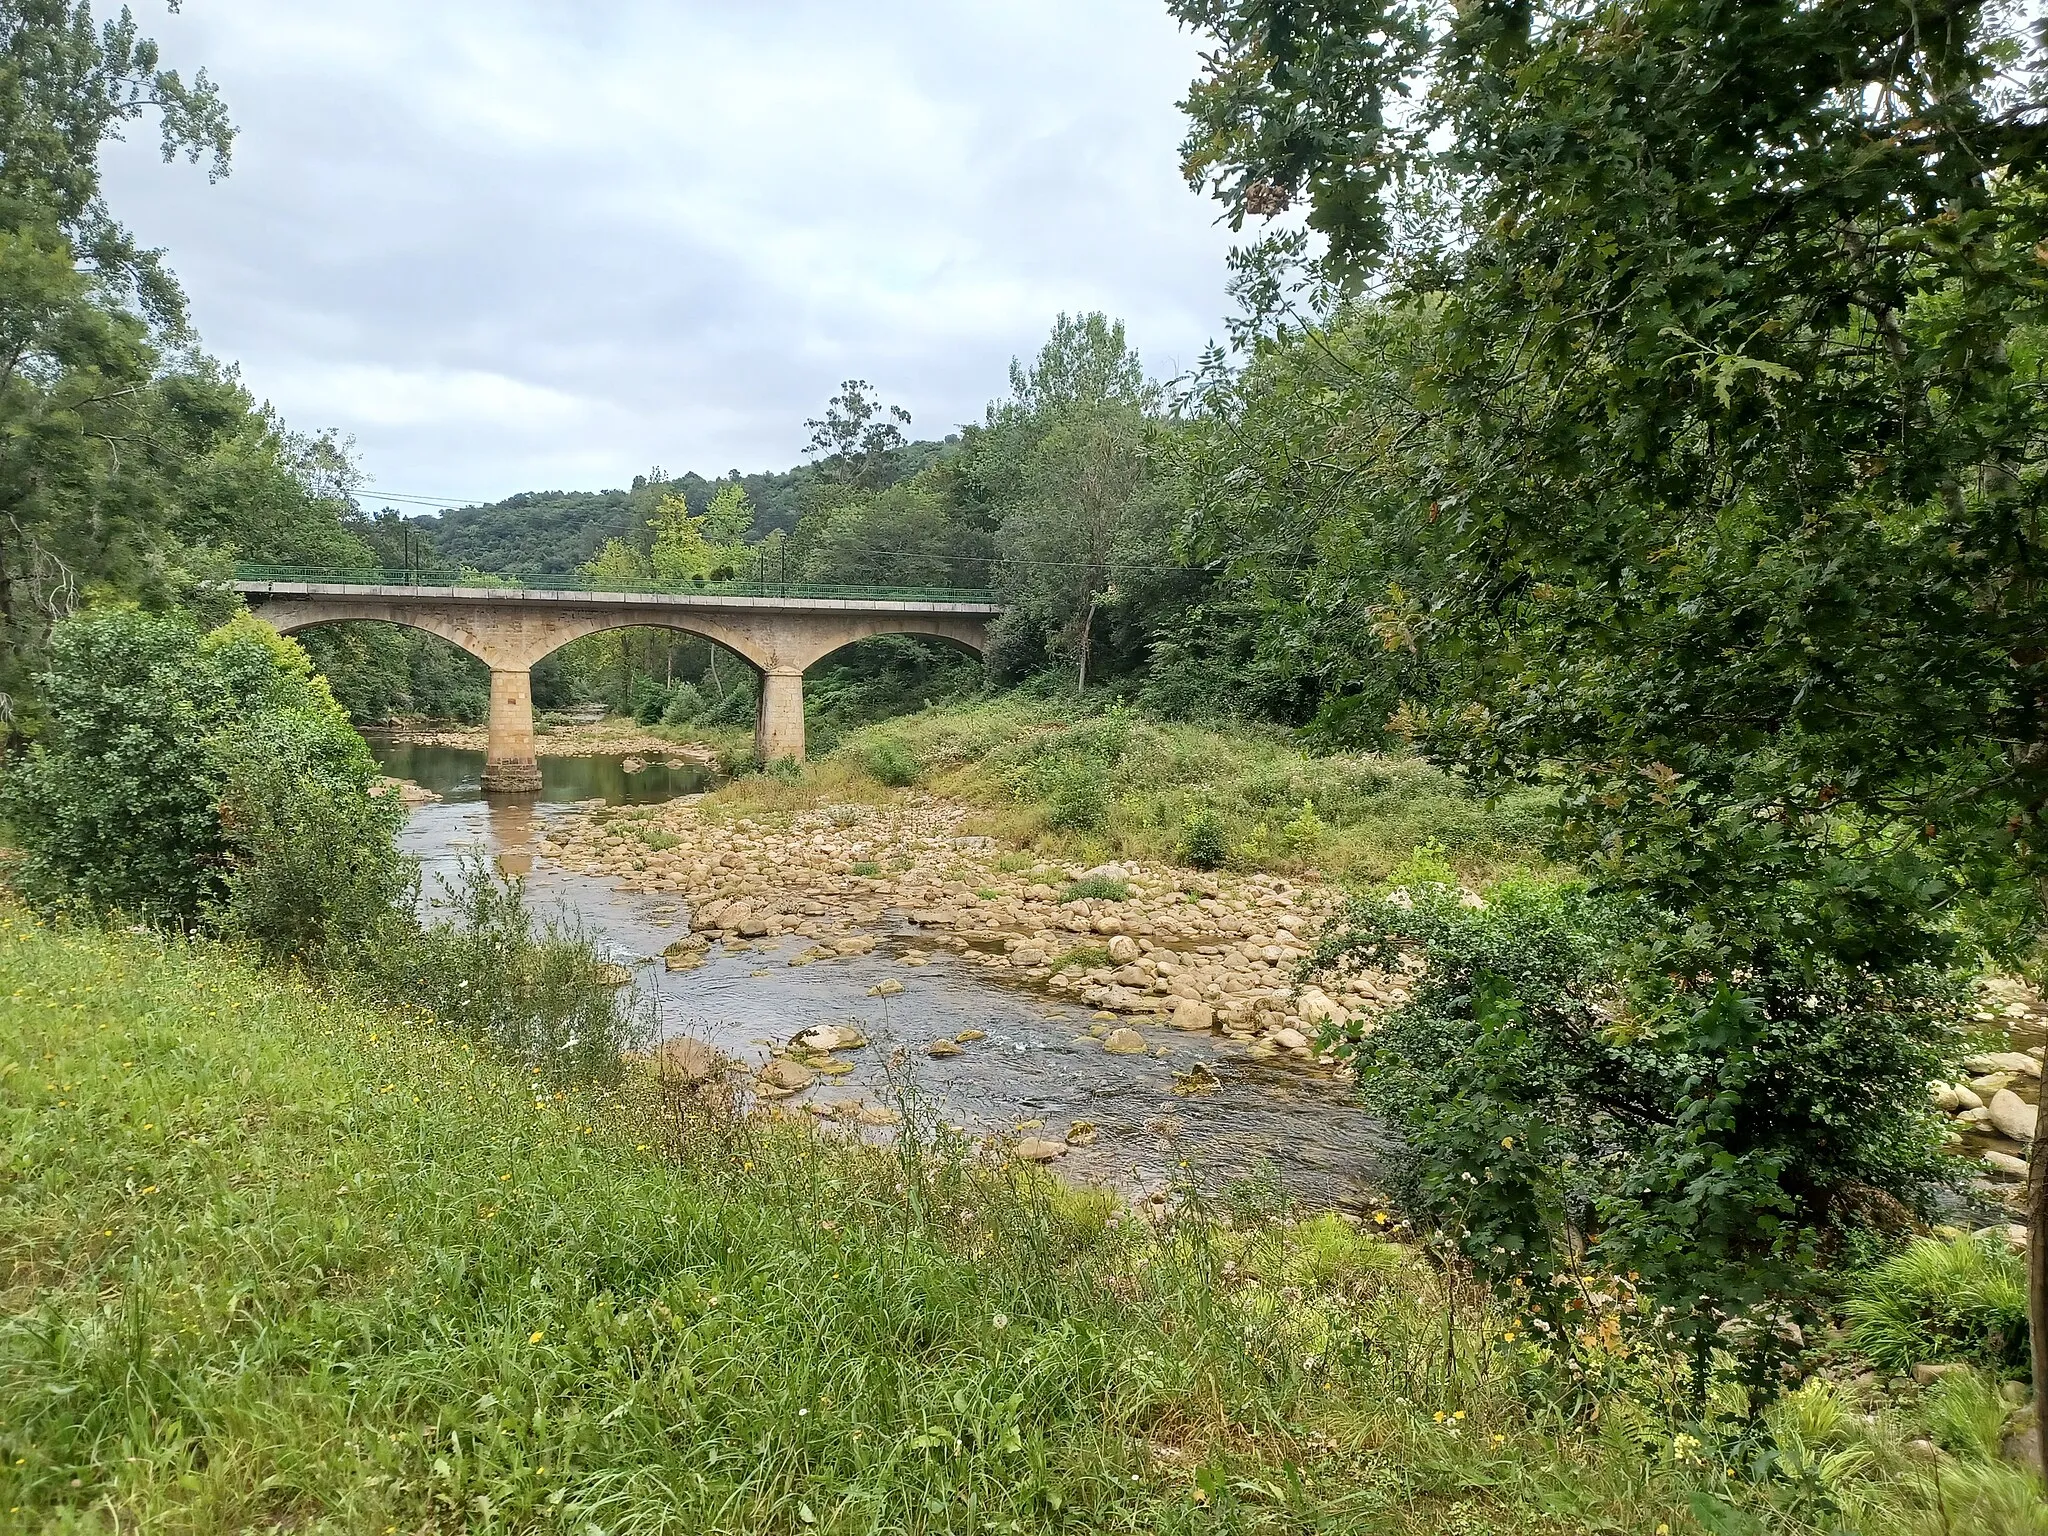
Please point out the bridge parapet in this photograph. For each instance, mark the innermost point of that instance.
(510, 628)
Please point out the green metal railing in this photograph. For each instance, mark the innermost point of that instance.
(550, 581)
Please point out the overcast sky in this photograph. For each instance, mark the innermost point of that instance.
(532, 244)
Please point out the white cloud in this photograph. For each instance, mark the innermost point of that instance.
(526, 243)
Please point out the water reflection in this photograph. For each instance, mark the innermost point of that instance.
(457, 774)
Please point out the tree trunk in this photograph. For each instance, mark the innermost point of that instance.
(2037, 1290)
(1087, 638)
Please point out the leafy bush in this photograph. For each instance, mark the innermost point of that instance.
(1550, 1116)
(195, 778)
(1097, 888)
(888, 760)
(114, 809)
(1076, 792)
(1304, 831)
(1202, 842)
(1964, 1299)
(314, 875)
(685, 705)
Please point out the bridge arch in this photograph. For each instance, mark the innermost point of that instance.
(295, 618)
(509, 629)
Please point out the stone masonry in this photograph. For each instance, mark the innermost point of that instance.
(509, 629)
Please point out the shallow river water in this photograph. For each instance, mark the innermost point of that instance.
(1036, 1072)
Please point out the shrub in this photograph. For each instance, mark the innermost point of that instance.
(649, 700)
(1964, 1299)
(888, 760)
(1202, 842)
(314, 875)
(191, 778)
(1097, 888)
(685, 704)
(1546, 1118)
(536, 991)
(114, 809)
(1301, 834)
(1076, 793)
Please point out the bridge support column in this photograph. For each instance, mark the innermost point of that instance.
(510, 768)
(779, 727)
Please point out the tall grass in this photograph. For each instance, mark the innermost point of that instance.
(277, 1261)
(1071, 783)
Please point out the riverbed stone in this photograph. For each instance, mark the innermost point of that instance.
(942, 1048)
(782, 1077)
(1193, 1015)
(1124, 1042)
(2013, 1115)
(1038, 1149)
(1123, 949)
(688, 1061)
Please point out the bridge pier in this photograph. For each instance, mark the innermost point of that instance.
(779, 724)
(510, 767)
(508, 629)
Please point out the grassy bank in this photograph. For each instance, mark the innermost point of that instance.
(275, 1262)
(1080, 786)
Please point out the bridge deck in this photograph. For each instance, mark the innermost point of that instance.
(798, 600)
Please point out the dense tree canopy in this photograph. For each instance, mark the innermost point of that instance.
(1710, 483)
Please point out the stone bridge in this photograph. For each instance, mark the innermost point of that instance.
(508, 629)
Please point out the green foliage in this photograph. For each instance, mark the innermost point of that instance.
(686, 703)
(131, 465)
(1086, 957)
(379, 672)
(1960, 1299)
(1323, 1253)
(887, 759)
(1075, 790)
(1551, 1120)
(1303, 831)
(1097, 888)
(532, 991)
(66, 89)
(191, 777)
(115, 809)
(1202, 842)
(1696, 455)
(1965, 1415)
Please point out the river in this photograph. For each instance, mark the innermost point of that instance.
(1035, 1073)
